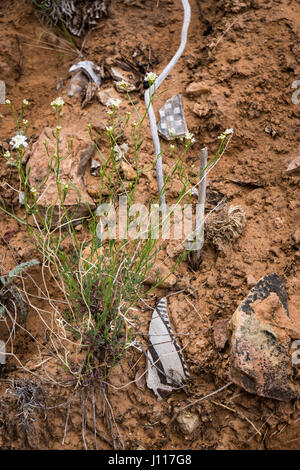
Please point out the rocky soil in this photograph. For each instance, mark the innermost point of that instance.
(237, 71)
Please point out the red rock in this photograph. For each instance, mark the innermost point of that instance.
(251, 281)
(201, 110)
(198, 88)
(296, 236)
(188, 422)
(140, 379)
(220, 333)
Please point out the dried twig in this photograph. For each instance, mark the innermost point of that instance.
(200, 399)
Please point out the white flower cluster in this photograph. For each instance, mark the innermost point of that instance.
(225, 134)
(113, 103)
(189, 137)
(19, 141)
(9, 160)
(123, 84)
(58, 103)
(150, 77)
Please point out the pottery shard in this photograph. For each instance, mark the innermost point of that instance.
(262, 333)
(294, 166)
(72, 169)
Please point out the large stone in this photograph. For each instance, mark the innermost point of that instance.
(262, 334)
(71, 173)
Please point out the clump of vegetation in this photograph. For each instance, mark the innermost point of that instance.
(98, 279)
(225, 226)
(73, 16)
(30, 400)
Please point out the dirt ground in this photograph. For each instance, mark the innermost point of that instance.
(248, 54)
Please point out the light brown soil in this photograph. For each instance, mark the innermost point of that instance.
(250, 59)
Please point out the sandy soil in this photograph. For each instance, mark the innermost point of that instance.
(248, 52)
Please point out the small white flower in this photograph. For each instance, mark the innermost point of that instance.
(7, 154)
(228, 131)
(58, 103)
(109, 129)
(33, 190)
(110, 112)
(58, 128)
(134, 123)
(25, 102)
(123, 84)
(172, 147)
(18, 141)
(150, 77)
(113, 103)
(171, 132)
(65, 187)
(25, 122)
(188, 135)
(8, 102)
